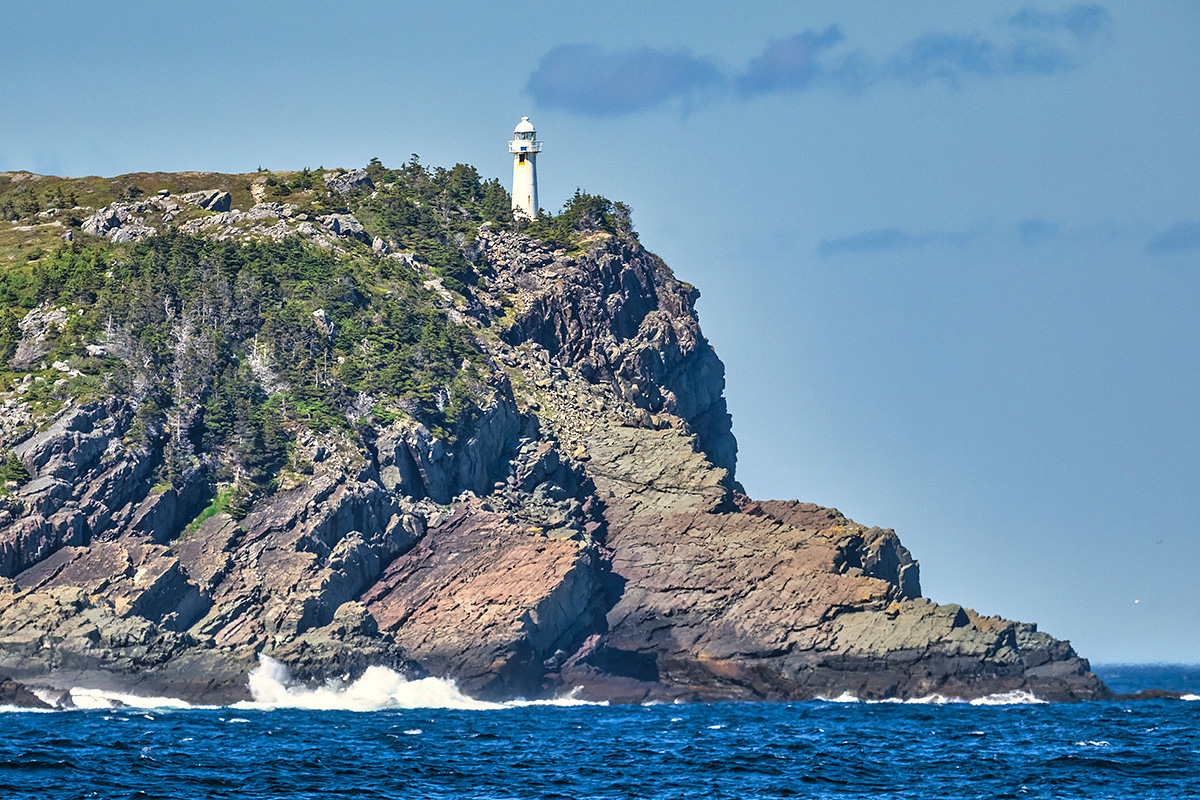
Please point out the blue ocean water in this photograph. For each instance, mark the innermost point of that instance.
(1148, 749)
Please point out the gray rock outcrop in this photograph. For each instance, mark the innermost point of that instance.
(119, 223)
(209, 199)
(579, 525)
(346, 182)
(345, 225)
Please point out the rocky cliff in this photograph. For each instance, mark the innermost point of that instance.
(552, 505)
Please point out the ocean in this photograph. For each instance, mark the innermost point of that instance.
(383, 737)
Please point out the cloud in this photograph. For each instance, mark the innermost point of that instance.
(1084, 22)
(586, 79)
(890, 239)
(1180, 237)
(797, 62)
(1035, 230)
(1045, 44)
(950, 59)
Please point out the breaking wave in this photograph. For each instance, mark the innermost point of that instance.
(93, 699)
(272, 687)
(378, 688)
(24, 710)
(89, 699)
(1018, 697)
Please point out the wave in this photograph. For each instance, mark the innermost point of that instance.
(25, 710)
(90, 699)
(1018, 697)
(377, 689)
(94, 699)
(272, 687)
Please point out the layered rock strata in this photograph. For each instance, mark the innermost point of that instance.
(587, 532)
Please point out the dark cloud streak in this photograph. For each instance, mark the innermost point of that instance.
(797, 62)
(951, 59)
(1085, 22)
(588, 80)
(1045, 44)
(1035, 231)
(1183, 236)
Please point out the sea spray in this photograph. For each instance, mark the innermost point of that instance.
(1017, 697)
(89, 699)
(376, 689)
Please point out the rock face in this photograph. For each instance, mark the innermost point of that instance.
(585, 530)
(618, 318)
(14, 694)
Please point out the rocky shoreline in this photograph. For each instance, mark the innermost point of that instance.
(586, 533)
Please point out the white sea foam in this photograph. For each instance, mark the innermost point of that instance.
(91, 699)
(98, 698)
(377, 688)
(1018, 697)
(272, 687)
(927, 700)
(23, 709)
(571, 698)
(844, 697)
(1190, 697)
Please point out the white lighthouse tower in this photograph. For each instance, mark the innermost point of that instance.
(524, 186)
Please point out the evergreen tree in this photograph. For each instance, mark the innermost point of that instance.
(13, 469)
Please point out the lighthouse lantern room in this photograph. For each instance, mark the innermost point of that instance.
(524, 148)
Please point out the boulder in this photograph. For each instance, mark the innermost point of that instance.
(345, 225)
(209, 199)
(218, 201)
(346, 182)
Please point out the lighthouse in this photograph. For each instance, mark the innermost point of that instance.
(524, 148)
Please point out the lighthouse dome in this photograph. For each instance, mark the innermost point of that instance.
(524, 126)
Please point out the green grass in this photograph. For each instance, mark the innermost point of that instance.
(218, 505)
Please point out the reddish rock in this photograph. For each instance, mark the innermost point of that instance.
(487, 601)
(584, 529)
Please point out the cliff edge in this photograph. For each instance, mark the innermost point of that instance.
(363, 418)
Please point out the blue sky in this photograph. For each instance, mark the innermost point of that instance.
(949, 252)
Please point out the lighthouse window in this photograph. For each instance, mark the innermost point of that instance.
(521, 158)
